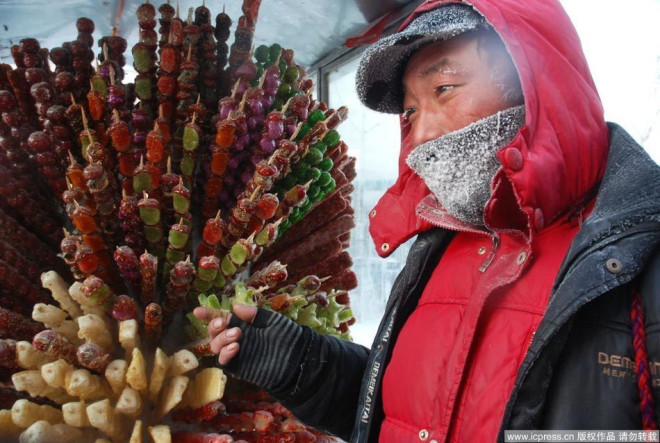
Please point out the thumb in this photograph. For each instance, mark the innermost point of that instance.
(245, 312)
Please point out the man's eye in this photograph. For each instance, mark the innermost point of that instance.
(407, 113)
(444, 88)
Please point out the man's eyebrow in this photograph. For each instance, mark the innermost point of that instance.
(444, 66)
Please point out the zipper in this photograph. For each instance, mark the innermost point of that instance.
(495, 243)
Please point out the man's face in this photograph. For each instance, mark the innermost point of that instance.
(448, 85)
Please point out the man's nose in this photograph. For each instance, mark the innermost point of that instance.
(425, 128)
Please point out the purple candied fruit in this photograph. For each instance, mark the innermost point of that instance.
(267, 144)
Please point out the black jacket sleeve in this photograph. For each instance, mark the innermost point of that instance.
(324, 391)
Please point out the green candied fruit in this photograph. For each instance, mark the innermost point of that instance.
(314, 156)
(326, 164)
(277, 104)
(228, 268)
(143, 88)
(99, 85)
(142, 61)
(299, 170)
(282, 66)
(286, 224)
(177, 239)
(315, 116)
(324, 179)
(311, 193)
(294, 212)
(320, 146)
(312, 174)
(213, 302)
(153, 234)
(307, 206)
(243, 295)
(190, 138)
(304, 129)
(296, 218)
(260, 72)
(220, 280)
(330, 186)
(292, 93)
(199, 327)
(202, 286)
(319, 197)
(275, 51)
(238, 253)
(181, 204)
(142, 182)
(174, 256)
(291, 74)
(150, 216)
(262, 54)
(187, 165)
(331, 138)
(283, 90)
(307, 316)
(207, 274)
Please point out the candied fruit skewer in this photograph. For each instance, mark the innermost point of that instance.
(103, 194)
(166, 14)
(150, 211)
(8, 354)
(206, 47)
(144, 58)
(240, 49)
(131, 223)
(177, 239)
(181, 202)
(149, 275)
(98, 293)
(146, 178)
(93, 357)
(272, 275)
(16, 326)
(239, 218)
(181, 278)
(170, 60)
(14, 280)
(239, 256)
(129, 267)
(153, 327)
(222, 30)
(207, 272)
(168, 182)
(28, 244)
(55, 346)
(124, 308)
(211, 236)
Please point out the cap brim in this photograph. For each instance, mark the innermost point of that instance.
(381, 68)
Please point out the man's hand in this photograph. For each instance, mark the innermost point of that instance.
(224, 342)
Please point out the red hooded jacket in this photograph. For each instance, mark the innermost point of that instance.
(455, 360)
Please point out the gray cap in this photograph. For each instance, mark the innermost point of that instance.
(381, 68)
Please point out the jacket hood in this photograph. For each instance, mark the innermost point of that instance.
(558, 157)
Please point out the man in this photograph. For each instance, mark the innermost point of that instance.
(531, 293)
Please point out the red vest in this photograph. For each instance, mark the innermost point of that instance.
(456, 358)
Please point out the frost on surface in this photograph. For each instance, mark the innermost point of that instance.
(458, 167)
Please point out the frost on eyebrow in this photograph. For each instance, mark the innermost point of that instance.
(443, 66)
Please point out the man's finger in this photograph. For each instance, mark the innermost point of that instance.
(227, 353)
(217, 325)
(225, 338)
(245, 312)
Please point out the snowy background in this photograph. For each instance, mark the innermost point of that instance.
(622, 45)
